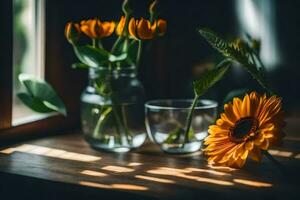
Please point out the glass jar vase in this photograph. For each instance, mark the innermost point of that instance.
(112, 112)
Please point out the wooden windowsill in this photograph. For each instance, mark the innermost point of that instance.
(66, 166)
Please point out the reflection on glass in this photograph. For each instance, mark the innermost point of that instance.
(28, 51)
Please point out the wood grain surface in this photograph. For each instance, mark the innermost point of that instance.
(68, 161)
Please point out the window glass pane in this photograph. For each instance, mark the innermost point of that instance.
(28, 51)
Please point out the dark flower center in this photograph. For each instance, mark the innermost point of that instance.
(244, 129)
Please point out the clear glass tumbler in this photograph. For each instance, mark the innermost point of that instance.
(166, 124)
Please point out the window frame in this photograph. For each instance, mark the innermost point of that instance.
(55, 71)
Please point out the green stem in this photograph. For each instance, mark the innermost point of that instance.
(260, 78)
(94, 43)
(101, 120)
(120, 125)
(262, 83)
(139, 52)
(113, 49)
(189, 120)
(127, 132)
(100, 44)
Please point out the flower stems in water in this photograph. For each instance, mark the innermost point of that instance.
(189, 120)
(101, 120)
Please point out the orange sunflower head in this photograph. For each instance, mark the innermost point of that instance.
(246, 127)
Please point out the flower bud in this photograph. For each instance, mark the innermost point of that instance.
(72, 32)
(120, 26)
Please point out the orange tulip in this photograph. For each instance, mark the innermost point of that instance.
(72, 32)
(142, 29)
(120, 26)
(161, 27)
(96, 29)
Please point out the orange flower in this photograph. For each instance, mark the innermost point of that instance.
(120, 26)
(246, 127)
(161, 26)
(142, 29)
(96, 29)
(72, 32)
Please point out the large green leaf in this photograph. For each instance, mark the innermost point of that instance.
(240, 52)
(40, 96)
(120, 46)
(231, 50)
(210, 77)
(91, 56)
(217, 42)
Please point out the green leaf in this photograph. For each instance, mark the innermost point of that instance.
(120, 46)
(210, 77)
(235, 93)
(174, 135)
(240, 52)
(80, 66)
(132, 52)
(217, 42)
(40, 96)
(113, 58)
(230, 50)
(33, 103)
(91, 56)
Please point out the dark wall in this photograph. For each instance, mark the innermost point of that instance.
(169, 63)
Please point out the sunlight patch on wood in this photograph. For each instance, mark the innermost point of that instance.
(167, 172)
(222, 168)
(155, 179)
(51, 152)
(134, 164)
(118, 169)
(93, 173)
(280, 153)
(114, 186)
(209, 171)
(175, 170)
(252, 183)
(297, 156)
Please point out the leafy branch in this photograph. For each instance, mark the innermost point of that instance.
(201, 85)
(240, 52)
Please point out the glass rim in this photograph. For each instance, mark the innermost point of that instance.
(151, 104)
